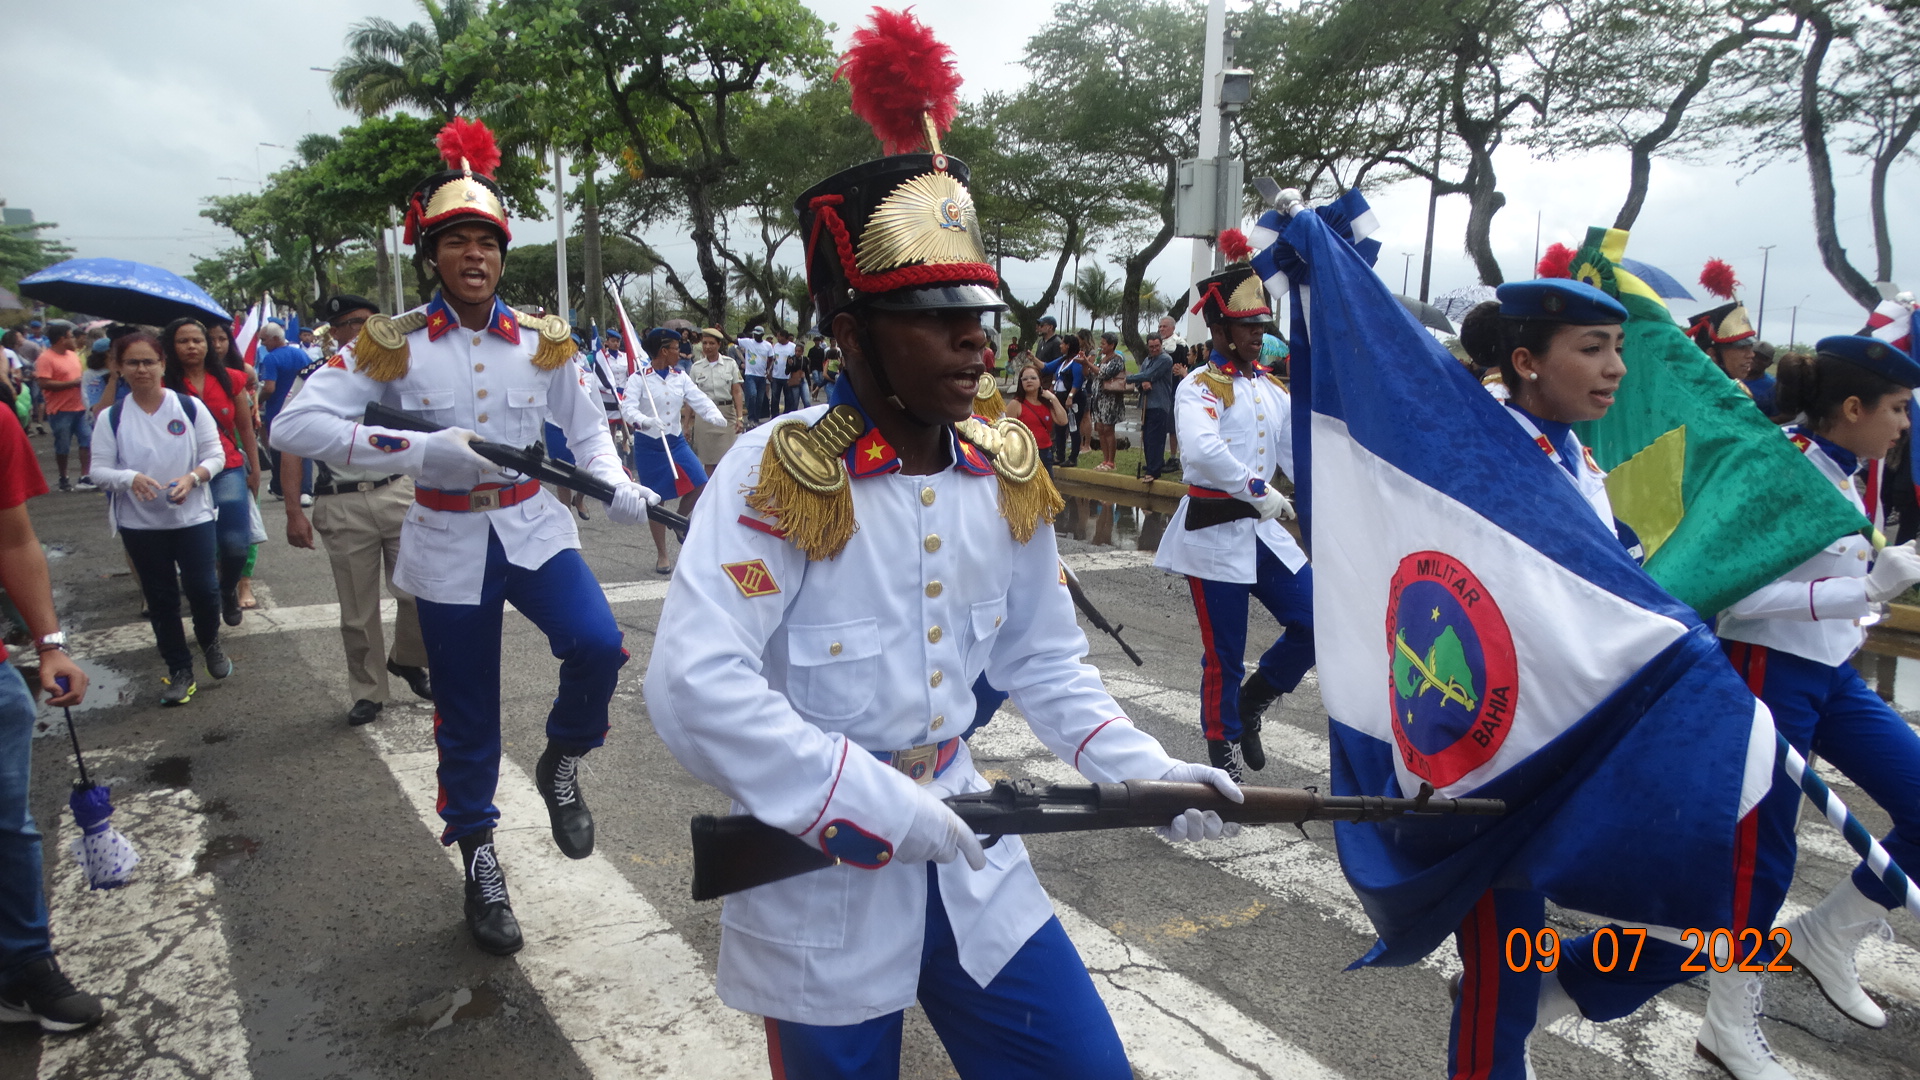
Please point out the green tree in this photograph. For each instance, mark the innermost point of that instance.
(388, 66)
(680, 75)
(23, 250)
(1115, 80)
(1098, 295)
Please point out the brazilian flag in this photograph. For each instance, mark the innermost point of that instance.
(1722, 503)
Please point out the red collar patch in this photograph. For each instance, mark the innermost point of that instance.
(871, 455)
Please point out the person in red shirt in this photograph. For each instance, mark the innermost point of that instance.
(32, 988)
(1037, 408)
(58, 371)
(184, 343)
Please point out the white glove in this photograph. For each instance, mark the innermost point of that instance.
(630, 502)
(1894, 572)
(938, 835)
(1273, 505)
(645, 425)
(450, 449)
(1195, 824)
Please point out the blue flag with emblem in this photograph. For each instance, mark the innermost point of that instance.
(1481, 631)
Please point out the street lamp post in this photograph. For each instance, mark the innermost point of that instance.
(1406, 272)
(1766, 255)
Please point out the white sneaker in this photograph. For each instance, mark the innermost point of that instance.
(305, 499)
(1730, 1037)
(1824, 942)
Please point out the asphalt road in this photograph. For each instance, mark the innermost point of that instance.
(295, 918)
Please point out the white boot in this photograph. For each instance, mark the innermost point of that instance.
(1824, 942)
(1730, 1037)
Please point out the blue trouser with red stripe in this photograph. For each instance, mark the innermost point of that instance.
(1222, 609)
(1039, 1019)
(1497, 1005)
(463, 654)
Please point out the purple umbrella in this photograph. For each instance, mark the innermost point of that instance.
(106, 856)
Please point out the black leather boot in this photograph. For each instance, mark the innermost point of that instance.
(1220, 756)
(558, 777)
(489, 911)
(1255, 696)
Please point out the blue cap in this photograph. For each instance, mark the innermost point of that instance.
(1559, 300)
(659, 337)
(1873, 354)
(100, 345)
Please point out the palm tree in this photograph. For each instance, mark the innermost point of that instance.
(390, 67)
(1097, 294)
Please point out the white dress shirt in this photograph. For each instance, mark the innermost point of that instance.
(653, 399)
(1224, 448)
(784, 674)
(482, 380)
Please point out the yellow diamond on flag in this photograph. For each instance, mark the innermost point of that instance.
(1646, 490)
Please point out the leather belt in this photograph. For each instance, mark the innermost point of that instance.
(921, 763)
(484, 497)
(362, 486)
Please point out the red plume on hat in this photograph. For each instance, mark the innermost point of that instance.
(1234, 245)
(467, 145)
(1557, 262)
(902, 78)
(1717, 278)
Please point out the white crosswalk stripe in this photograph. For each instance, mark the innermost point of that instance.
(629, 993)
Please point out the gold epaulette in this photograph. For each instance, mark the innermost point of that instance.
(804, 488)
(1027, 494)
(987, 401)
(1276, 380)
(1221, 382)
(556, 339)
(380, 351)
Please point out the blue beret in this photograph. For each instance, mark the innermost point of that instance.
(1873, 354)
(1559, 300)
(658, 337)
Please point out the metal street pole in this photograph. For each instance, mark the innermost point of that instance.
(399, 289)
(1210, 124)
(1433, 207)
(1406, 272)
(560, 230)
(1766, 256)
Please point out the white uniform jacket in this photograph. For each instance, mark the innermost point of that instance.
(484, 381)
(1813, 610)
(1224, 448)
(651, 403)
(776, 677)
(1588, 478)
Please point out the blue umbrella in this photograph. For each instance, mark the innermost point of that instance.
(122, 290)
(1657, 279)
(107, 857)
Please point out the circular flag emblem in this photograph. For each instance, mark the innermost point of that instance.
(1453, 681)
(176, 427)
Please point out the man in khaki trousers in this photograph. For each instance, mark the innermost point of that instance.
(358, 514)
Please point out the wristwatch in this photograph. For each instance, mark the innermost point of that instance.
(55, 640)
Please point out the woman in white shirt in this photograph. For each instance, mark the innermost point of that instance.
(167, 526)
(661, 455)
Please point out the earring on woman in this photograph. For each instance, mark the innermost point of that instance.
(1533, 375)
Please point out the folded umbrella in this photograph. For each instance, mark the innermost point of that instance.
(106, 855)
(122, 290)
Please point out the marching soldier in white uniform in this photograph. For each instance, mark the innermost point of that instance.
(860, 564)
(1235, 423)
(476, 538)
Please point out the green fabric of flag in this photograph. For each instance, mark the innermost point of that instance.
(1723, 504)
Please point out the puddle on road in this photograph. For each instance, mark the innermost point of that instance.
(106, 688)
(225, 854)
(1895, 678)
(173, 771)
(1108, 524)
(456, 1005)
(291, 1039)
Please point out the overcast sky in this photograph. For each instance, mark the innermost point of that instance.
(169, 103)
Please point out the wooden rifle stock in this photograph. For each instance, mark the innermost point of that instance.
(742, 852)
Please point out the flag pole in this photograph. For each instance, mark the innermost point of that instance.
(1856, 834)
(626, 328)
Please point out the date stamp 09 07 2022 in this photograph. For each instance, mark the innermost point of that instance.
(1612, 947)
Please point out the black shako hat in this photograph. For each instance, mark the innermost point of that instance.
(899, 233)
